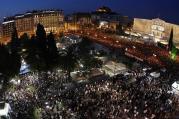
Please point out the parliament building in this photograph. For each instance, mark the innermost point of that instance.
(156, 28)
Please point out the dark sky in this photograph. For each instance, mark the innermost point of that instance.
(165, 9)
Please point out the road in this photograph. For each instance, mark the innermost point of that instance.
(143, 52)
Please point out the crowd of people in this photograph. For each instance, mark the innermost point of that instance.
(29, 91)
(133, 95)
(146, 98)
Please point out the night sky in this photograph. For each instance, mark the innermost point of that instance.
(165, 9)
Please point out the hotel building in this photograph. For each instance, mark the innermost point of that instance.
(52, 20)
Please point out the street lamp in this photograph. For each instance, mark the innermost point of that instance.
(154, 55)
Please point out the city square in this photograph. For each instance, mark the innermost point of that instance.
(89, 63)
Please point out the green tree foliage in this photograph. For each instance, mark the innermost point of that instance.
(5, 60)
(171, 47)
(52, 54)
(174, 53)
(90, 62)
(51, 44)
(41, 38)
(10, 60)
(25, 41)
(34, 58)
(41, 50)
(15, 61)
(37, 50)
(170, 42)
(61, 35)
(87, 60)
(15, 42)
(68, 62)
(84, 47)
(5, 67)
(120, 31)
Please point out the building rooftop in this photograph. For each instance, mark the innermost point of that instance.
(29, 13)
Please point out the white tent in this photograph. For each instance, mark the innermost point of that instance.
(155, 74)
(175, 88)
(4, 109)
(112, 68)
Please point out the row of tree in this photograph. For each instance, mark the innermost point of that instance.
(39, 51)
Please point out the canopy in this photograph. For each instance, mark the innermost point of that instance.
(155, 74)
(175, 86)
(4, 109)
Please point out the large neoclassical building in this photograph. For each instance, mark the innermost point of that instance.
(156, 28)
(52, 20)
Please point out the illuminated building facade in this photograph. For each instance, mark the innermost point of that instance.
(78, 20)
(83, 19)
(7, 26)
(0, 31)
(52, 20)
(105, 14)
(24, 24)
(110, 19)
(156, 28)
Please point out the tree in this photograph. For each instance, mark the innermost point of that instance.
(84, 47)
(171, 47)
(61, 35)
(15, 43)
(41, 46)
(52, 53)
(173, 52)
(170, 42)
(68, 62)
(51, 44)
(120, 31)
(41, 38)
(25, 41)
(15, 61)
(90, 62)
(5, 60)
(33, 58)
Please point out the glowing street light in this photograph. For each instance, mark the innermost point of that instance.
(154, 55)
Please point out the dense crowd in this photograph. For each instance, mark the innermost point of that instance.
(31, 90)
(134, 95)
(147, 98)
